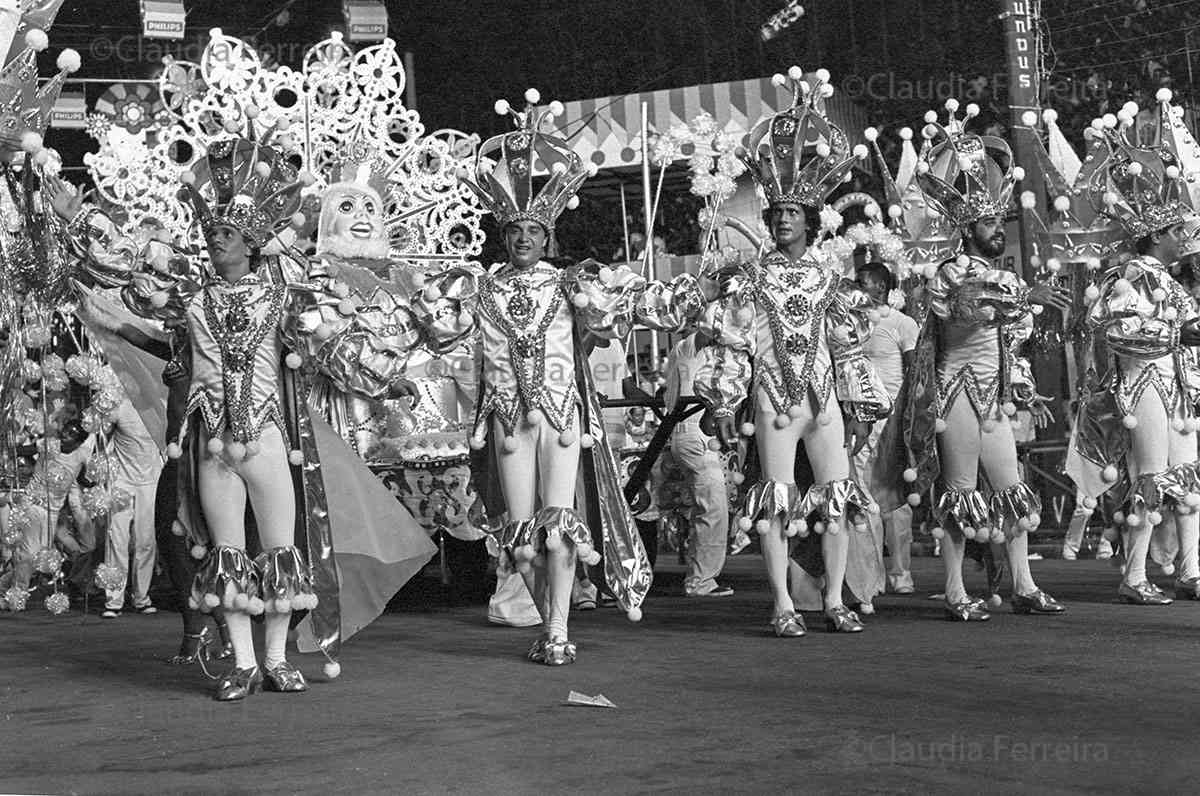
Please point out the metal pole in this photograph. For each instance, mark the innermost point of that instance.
(648, 213)
(410, 85)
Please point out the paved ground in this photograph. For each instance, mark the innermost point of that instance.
(1100, 700)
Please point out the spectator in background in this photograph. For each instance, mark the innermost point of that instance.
(136, 465)
(890, 349)
(637, 248)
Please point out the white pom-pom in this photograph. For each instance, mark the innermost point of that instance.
(795, 72)
(747, 429)
(581, 301)
(69, 61)
(346, 307)
(968, 532)
(332, 669)
(860, 151)
(476, 443)
(293, 360)
(962, 261)
(1018, 173)
(1062, 203)
(295, 458)
(988, 426)
(952, 105)
(199, 551)
(31, 142)
(909, 475)
(634, 614)
(1009, 408)
(1133, 521)
(298, 219)
(914, 499)
(1028, 200)
(778, 79)
(1129, 421)
(567, 438)
(938, 533)
(36, 39)
(795, 411)
(236, 451)
(1050, 116)
(782, 421)
(1109, 474)
(262, 169)
(972, 110)
(1118, 518)
(822, 75)
(586, 441)
(871, 134)
(533, 96)
(188, 178)
(939, 426)
(929, 271)
(1158, 294)
(215, 446)
(1172, 172)
(1122, 286)
(823, 149)
(573, 203)
(1054, 265)
(1134, 169)
(714, 445)
(502, 107)
(1109, 121)
(509, 445)
(1029, 118)
(557, 109)
(964, 162)
(211, 600)
(1089, 503)
(1091, 293)
(1154, 518)
(174, 451)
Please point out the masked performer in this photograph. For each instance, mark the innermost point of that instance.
(537, 416)
(790, 332)
(245, 434)
(967, 381)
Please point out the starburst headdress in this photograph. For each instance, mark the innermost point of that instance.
(1138, 183)
(799, 155)
(964, 176)
(505, 168)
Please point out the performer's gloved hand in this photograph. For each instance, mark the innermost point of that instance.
(1052, 296)
(65, 199)
(857, 434)
(1038, 409)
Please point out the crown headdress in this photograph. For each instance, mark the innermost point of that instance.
(929, 239)
(506, 164)
(247, 185)
(798, 155)
(24, 107)
(964, 176)
(1138, 182)
(1071, 230)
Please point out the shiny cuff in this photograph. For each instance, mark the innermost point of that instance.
(1016, 509)
(963, 511)
(286, 580)
(228, 579)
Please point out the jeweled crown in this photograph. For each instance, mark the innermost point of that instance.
(964, 176)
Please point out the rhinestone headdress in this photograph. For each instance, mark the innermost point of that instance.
(798, 155)
(506, 164)
(964, 176)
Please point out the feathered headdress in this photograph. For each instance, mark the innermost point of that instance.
(798, 155)
(505, 166)
(964, 176)
(246, 185)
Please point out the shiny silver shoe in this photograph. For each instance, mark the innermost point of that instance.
(285, 678)
(967, 610)
(1145, 593)
(840, 619)
(238, 684)
(788, 624)
(537, 651)
(1037, 603)
(193, 647)
(559, 653)
(1187, 589)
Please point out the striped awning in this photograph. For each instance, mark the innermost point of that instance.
(605, 131)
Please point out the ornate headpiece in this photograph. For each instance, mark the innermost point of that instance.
(964, 176)
(246, 185)
(505, 167)
(1138, 183)
(798, 155)
(1072, 230)
(24, 107)
(929, 239)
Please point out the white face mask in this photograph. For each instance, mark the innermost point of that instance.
(352, 223)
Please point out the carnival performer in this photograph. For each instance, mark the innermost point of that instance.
(967, 379)
(1147, 322)
(244, 434)
(789, 331)
(890, 350)
(537, 420)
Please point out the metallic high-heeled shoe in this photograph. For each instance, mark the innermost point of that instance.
(1037, 603)
(1187, 589)
(190, 649)
(559, 653)
(967, 610)
(840, 619)
(238, 684)
(537, 651)
(284, 678)
(788, 624)
(1145, 593)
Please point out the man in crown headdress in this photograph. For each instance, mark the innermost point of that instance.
(956, 404)
(1143, 411)
(790, 332)
(246, 433)
(537, 419)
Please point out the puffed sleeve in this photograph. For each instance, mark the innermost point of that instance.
(152, 276)
(1136, 313)
(362, 347)
(963, 291)
(447, 305)
(723, 375)
(609, 304)
(848, 326)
